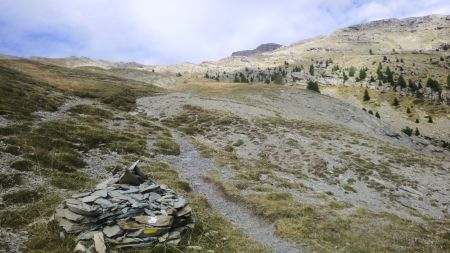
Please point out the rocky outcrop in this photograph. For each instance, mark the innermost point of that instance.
(127, 211)
(268, 47)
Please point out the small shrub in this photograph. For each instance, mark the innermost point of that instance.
(167, 146)
(13, 150)
(366, 96)
(407, 130)
(22, 165)
(396, 102)
(228, 148)
(22, 196)
(10, 180)
(91, 110)
(312, 85)
(70, 181)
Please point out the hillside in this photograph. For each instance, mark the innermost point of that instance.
(265, 164)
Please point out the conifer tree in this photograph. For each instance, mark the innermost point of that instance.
(401, 82)
(396, 103)
(366, 96)
(314, 86)
(417, 133)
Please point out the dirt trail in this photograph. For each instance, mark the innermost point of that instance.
(193, 167)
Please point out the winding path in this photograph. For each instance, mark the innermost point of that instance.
(193, 167)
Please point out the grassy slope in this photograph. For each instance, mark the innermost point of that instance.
(51, 152)
(323, 227)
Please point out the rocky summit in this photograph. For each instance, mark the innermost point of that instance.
(126, 211)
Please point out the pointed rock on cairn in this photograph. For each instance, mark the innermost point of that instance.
(126, 211)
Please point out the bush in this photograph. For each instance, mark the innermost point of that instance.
(22, 165)
(396, 102)
(10, 180)
(351, 71)
(407, 130)
(366, 96)
(22, 197)
(314, 86)
(377, 115)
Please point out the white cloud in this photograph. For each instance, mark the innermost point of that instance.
(176, 30)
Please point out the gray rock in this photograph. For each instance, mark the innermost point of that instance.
(87, 235)
(112, 231)
(84, 209)
(80, 195)
(67, 214)
(72, 227)
(99, 242)
(104, 203)
(101, 193)
(80, 248)
(153, 197)
(89, 199)
(143, 188)
(180, 203)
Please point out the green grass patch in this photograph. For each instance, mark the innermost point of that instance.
(22, 165)
(10, 180)
(23, 196)
(75, 181)
(92, 111)
(41, 206)
(166, 145)
(45, 238)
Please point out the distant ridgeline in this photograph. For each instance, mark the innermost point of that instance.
(268, 47)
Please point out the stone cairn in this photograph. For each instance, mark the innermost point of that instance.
(125, 211)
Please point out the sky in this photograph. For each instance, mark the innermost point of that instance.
(177, 31)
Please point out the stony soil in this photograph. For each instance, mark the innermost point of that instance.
(193, 167)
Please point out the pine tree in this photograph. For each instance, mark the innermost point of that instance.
(372, 80)
(314, 86)
(351, 71)
(417, 121)
(401, 82)
(448, 81)
(362, 74)
(396, 103)
(434, 85)
(311, 69)
(377, 115)
(236, 79)
(412, 85)
(370, 51)
(417, 133)
(408, 110)
(430, 119)
(380, 72)
(366, 96)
